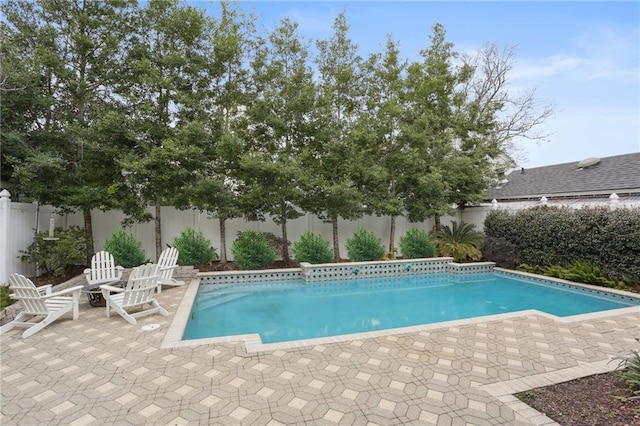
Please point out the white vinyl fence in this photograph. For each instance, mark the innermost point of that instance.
(19, 222)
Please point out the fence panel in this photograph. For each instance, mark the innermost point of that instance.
(22, 230)
(23, 218)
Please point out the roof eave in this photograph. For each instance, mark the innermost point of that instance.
(589, 194)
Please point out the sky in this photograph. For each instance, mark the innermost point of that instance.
(583, 58)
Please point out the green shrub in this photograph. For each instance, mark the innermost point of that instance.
(5, 299)
(631, 374)
(312, 248)
(57, 256)
(543, 235)
(252, 250)
(194, 248)
(416, 244)
(462, 242)
(364, 246)
(577, 271)
(503, 252)
(586, 272)
(125, 248)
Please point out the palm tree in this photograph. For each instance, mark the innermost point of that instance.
(462, 242)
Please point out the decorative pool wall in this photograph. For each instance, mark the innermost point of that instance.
(352, 270)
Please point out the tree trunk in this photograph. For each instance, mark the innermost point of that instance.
(285, 245)
(392, 237)
(158, 228)
(336, 242)
(88, 234)
(436, 223)
(223, 241)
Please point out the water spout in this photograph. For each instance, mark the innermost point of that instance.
(407, 267)
(355, 271)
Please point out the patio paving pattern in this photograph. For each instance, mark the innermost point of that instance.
(99, 370)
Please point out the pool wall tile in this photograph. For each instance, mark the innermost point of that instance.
(588, 288)
(234, 277)
(362, 270)
(347, 271)
(470, 268)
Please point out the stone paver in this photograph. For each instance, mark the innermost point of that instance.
(102, 370)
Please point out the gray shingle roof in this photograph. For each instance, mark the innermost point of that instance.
(620, 174)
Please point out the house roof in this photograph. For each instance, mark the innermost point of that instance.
(619, 174)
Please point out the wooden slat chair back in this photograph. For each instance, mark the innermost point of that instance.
(27, 293)
(139, 291)
(103, 269)
(168, 262)
(38, 302)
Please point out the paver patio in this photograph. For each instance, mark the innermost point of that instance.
(100, 370)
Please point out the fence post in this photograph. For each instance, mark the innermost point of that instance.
(614, 201)
(5, 211)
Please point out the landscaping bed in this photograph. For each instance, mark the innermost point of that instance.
(599, 400)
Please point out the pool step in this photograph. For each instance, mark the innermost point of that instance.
(213, 302)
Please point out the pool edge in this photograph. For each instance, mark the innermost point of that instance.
(253, 343)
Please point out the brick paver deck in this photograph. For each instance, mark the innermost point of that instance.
(100, 370)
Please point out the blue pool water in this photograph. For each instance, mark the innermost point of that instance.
(292, 310)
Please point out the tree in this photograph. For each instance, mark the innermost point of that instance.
(224, 104)
(490, 118)
(432, 126)
(516, 114)
(331, 159)
(24, 101)
(69, 53)
(281, 127)
(378, 134)
(161, 84)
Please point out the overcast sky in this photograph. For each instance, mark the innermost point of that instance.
(582, 57)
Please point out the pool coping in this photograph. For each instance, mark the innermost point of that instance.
(253, 343)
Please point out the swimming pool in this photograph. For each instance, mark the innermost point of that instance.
(283, 311)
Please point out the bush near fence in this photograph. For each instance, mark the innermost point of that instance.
(548, 236)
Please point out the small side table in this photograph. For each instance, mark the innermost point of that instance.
(94, 293)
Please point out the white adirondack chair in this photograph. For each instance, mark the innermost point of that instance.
(40, 307)
(103, 269)
(140, 291)
(168, 263)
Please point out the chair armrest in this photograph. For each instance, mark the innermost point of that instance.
(111, 288)
(65, 291)
(46, 288)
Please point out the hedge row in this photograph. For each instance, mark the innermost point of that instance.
(548, 236)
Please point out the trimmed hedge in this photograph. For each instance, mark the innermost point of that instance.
(194, 248)
(548, 236)
(364, 246)
(416, 244)
(253, 250)
(125, 248)
(312, 248)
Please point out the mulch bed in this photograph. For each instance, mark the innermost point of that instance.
(53, 280)
(230, 266)
(600, 400)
